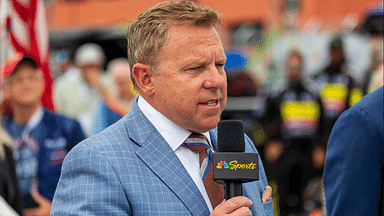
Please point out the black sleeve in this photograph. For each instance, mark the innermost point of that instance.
(13, 198)
(272, 120)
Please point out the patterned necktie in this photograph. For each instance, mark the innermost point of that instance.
(199, 144)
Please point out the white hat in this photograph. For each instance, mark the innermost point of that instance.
(89, 54)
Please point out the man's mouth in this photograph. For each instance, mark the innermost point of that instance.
(211, 103)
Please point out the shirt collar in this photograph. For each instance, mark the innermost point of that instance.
(171, 132)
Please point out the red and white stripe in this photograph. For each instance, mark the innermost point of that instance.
(26, 32)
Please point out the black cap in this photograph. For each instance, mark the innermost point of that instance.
(337, 43)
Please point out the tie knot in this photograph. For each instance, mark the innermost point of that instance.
(197, 142)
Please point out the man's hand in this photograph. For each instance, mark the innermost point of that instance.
(235, 206)
(44, 208)
(91, 74)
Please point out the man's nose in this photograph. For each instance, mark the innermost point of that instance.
(215, 77)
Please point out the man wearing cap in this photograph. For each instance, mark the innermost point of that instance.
(295, 113)
(77, 94)
(336, 88)
(41, 138)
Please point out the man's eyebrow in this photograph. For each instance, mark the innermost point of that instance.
(193, 62)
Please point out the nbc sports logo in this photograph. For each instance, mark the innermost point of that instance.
(222, 164)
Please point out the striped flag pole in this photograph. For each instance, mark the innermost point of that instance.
(28, 34)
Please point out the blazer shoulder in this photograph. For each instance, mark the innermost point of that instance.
(113, 139)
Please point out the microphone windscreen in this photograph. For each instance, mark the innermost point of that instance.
(230, 136)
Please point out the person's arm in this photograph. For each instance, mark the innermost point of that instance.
(89, 186)
(274, 148)
(273, 119)
(17, 203)
(351, 182)
(111, 101)
(43, 209)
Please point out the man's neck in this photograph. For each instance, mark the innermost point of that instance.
(22, 114)
(127, 97)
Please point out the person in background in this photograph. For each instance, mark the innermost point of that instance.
(242, 86)
(142, 165)
(111, 110)
(293, 127)
(374, 75)
(41, 138)
(337, 90)
(61, 64)
(9, 187)
(77, 94)
(314, 198)
(354, 166)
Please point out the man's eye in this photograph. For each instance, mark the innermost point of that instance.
(195, 68)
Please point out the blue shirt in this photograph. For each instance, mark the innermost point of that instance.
(25, 158)
(54, 137)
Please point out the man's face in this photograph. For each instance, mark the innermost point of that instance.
(91, 73)
(337, 57)
(190, 87)
(294, 68)
(25, 86)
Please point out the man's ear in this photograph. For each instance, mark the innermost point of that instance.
(143, 78)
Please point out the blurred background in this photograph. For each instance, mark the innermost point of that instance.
(259, 32)
(257, 36)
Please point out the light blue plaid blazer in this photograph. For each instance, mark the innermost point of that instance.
(129, 169)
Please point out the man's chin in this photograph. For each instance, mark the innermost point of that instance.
(208, 125)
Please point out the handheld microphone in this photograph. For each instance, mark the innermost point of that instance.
(231, 166)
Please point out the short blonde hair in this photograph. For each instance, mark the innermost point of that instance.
(148, 32)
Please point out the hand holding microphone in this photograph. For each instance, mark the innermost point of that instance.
(237, 206)
(231, 165)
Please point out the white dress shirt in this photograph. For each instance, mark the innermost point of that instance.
(175, 137)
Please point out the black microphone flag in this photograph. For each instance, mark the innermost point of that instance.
(231, 165)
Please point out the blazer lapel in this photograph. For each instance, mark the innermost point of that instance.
(162, 160)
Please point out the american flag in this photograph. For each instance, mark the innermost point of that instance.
(24, 30)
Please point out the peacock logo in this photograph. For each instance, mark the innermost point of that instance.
(222, 164)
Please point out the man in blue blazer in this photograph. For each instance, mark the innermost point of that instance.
(354, 167)
(139, 165)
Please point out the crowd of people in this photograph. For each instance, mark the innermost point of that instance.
(297, 120)
(35, 140)
(298, 117)
(291, 123)
(95, 98)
